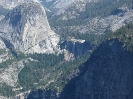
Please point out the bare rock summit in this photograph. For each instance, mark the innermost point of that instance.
(26, 28)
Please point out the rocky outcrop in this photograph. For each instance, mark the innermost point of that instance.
(1, 97)
(62, 6)
(1, 17)
(77, 21)
(109, 74)
(10, 4)
(100, 25)
(9, 75)
(26, 28)
(5, 53)
(75, 48)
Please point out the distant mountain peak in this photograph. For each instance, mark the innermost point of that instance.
(27, 29)
(10, 4)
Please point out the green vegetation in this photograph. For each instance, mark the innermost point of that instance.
(48, 70)
(66, 69)
(51, 71)
(6, 63)
(125, 35)
(2, 51)
(101, 8)
(104, 8)
(14, 58)
(91, 38)
(37, 69)
(6, 90)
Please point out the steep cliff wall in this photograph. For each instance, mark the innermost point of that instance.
(75, 48)
(109, 74)
(27, 29)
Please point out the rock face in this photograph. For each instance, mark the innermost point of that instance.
(27, 29)
(99, 25)
(1, 17)
(10, 4)
(75, 48)
(9, 75)
(4, 52)
(109, 74)
(60, 3)
(63, 5)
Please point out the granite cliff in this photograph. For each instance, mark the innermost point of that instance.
(74, 48)
(27, 29)
(10, 4)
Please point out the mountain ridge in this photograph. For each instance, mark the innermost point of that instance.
(10, 4)
(21, 21)
(72, 58)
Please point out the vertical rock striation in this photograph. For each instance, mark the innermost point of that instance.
(27, 29)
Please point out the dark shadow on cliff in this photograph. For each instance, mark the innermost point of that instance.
(10, 47)
(109, 74)
(69, 90)
(77, 48)
(67, 93)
